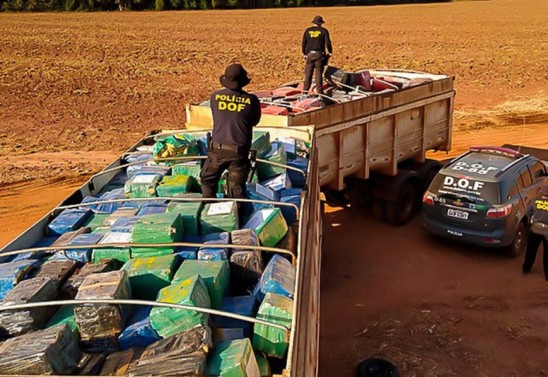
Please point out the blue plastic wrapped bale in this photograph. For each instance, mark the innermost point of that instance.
(152, 208)
(114, 194)
(216, 275)
(79, 255)
(290, 145)
(212, 254)
(289, 213)
(261, 143)
(277, 155)
(242, 305)
(68, 220)
(139, 332)
(272, 341)
(278, 277)
(219, 217)
(43, 242)
(124, 224)
(122, 212)
(278, 183)
(12, 273)
(234, 358)
(269, 224)
(162, 171)
(259, 191)
(297, 178)
(119, 179)
(186, 252)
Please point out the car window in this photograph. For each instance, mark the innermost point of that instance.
(475, 190)
(511, 191)
(526, 177)
(537, 170)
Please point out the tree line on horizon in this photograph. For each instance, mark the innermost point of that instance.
(111, 5)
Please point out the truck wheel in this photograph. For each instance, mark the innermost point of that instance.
(402, 210)
(519, 243)
(379, 209)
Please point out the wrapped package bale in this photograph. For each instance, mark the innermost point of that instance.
(176, 145)
(152, 208)
(50, 351)
(192, 168)
(246, 265)
(148, 275)
(278, 183)
(264, 365)
(269, 224)
(246, 210)
(186, 252)
(96, 220)
(212, 254)
(272, 341)
(124, 224)
(139, 332)
(234, 358)
(119, 213)
(57, 270)
(102, 230)
(70, 288)
(222, 238)
(191, 291)
(297, 178)
(120, 254)
(142, 186)
(90, 364)
(242, 305)
(43, 242)
(259, 191)
(289, 242)
(290, 145)
(107, 194)
(278, 277)
(223, 334)
(80, 255)
(157, 228)
(102, 321)
(162, 171)
(216, 275)
(171, 185)
(117, 363)
(67, 220)
(13, 272)
(64, 315)
(181, 355)
(261, 143)
(104, 345)
(219, 217)
(277, 155)
(190, 215)
(17, 322)
(292, 196)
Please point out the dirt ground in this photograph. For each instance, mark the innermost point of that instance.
(77, 89)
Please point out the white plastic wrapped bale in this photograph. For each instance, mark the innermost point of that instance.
(103, 321)
(182, 355)
(51, 351)
(13, 323)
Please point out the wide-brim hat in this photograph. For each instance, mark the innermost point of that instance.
(235, 77)
(318, 20)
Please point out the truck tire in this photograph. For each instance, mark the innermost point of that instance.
(426, 171)
(379, 209)
(402, 210)
(519, 243)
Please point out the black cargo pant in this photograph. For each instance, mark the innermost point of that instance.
(219, 160)
(532, 247)
(315, 62)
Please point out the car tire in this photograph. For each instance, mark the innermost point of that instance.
(402, 210)
(519, 242)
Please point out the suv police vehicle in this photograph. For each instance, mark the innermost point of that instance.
(485, 197)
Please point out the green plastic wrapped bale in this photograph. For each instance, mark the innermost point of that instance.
(269, 224)
(148, 275)
(192, 168)
(168, 321)
(65, 314)
(264, 365)
(142, 186)
(121, 255)
(277, 309)
(233, 358)
(96, 220)
(171, 185)
(278, 155)
(156, 228)
(190, 215)
(176, 145)
(219, 217)
(216, 275)
(261, 143)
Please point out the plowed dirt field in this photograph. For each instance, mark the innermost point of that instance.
(77, 89)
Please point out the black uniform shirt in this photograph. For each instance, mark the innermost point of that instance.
(316, 38)
(540, 217)
(235, 113)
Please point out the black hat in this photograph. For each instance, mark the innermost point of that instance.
(235, 77)
(318, 20)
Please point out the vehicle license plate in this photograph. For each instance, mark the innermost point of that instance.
(458, 214)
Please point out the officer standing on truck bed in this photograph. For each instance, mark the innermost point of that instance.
(235, 113)
(539, 233)
(315, 41)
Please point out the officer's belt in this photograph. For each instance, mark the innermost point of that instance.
(228, 147)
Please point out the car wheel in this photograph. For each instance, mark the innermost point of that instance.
(517, 247)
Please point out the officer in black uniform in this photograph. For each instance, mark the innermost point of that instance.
(539, 233)
(235, 113)
(315, 41)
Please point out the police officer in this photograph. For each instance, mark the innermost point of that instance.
(315, 41)
(235, 113)
(539, 233)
